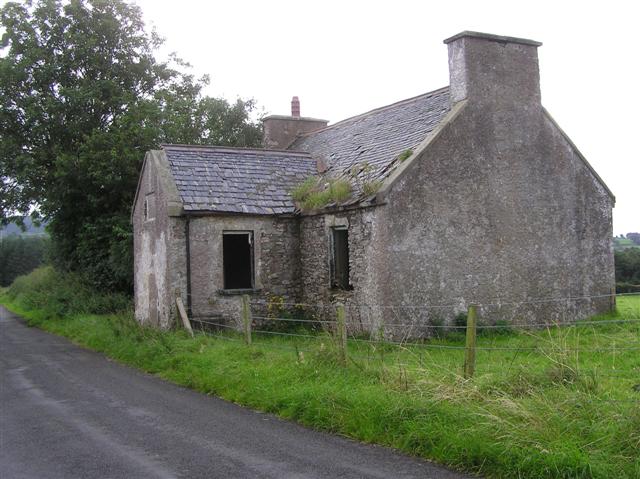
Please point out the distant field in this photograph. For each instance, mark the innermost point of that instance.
(623, 243)
(559, 402)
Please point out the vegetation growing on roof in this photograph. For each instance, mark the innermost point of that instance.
(316, 192)
(371, 187)
(364, 175)
(405, 154)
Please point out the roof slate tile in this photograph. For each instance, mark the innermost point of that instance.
(256, 181)
(378, 137)
(233, 179)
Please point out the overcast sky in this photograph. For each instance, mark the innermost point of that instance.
(344, 57)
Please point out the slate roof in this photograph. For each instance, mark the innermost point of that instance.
(376, 138)
(237, 180)
(259, 181)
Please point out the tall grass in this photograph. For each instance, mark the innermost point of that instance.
(60, 294)
(560, 410)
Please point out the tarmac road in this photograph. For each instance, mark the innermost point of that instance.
(66, 412)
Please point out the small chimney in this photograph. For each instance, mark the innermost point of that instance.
(295, 107)
(485, 68)
(280, 131)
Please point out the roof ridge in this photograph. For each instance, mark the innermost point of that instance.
(375, 110)
(234, 148)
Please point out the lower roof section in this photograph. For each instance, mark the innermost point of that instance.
(237, 180)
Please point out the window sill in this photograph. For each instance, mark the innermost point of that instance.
(237, 292)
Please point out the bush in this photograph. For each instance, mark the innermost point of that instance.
(628, 270)
(61, 294)
(21, 255)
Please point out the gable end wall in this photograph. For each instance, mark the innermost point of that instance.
(499, 207)
(151, 242)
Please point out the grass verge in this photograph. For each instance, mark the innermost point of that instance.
(549, 412)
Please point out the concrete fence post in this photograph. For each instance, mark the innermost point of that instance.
(246, 318)
(341, 333)
(470, 348)
(183, 316)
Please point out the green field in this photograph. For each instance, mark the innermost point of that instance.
(560, 402)
(623, 243)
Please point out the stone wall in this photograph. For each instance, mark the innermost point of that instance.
(364, 255)
(275, 261)
(499, 208)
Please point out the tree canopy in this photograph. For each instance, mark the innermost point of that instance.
(20, 255)
(628, 270)
(82, 97)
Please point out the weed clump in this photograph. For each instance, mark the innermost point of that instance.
(315, 192)
(371, 187)
(405, 154)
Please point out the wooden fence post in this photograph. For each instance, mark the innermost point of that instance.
(246, 318)
(470, 348)
(342, 333)
(183, 316)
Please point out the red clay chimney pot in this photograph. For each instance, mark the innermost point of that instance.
(295, 107)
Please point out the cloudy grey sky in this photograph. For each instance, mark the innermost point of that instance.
(343, 58)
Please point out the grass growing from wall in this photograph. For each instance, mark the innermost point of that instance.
(554, 412)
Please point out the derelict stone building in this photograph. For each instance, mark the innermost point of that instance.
(470, 193)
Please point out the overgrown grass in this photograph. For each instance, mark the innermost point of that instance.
(371, 187)
(552, 411)
(405, 154)
(59, 294)
(316, 192)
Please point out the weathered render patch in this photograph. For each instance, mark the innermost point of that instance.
(151, 277)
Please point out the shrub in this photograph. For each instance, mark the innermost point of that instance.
(628, 270)
(21, 255)
(61, 294)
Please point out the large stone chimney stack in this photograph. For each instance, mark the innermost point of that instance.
(486, 68)
(279, 131)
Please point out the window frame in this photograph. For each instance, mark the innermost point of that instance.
(149, 206)
(251, 235)
(335, 282)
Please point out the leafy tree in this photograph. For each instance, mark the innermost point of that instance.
(82, 97)
(635, 237)
(627, 270)
(20, 255)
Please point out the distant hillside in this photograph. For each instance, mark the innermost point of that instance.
(13, 229)
(623, 243)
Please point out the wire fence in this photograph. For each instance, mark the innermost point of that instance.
(605, 348)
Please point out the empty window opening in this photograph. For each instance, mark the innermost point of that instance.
(237, 252)
(340, 259)
(149, 207)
